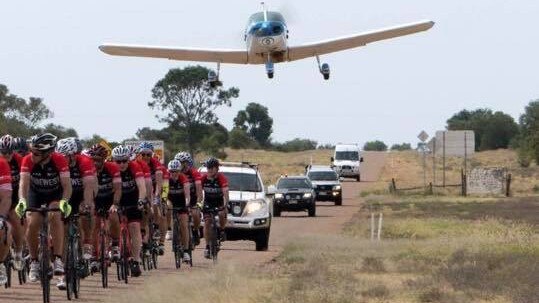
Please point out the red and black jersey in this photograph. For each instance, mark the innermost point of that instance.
(45, 178)
(106, 178)
(5, 175)
(154, 166)
(175, 190)
(84, 167)
(15, 166)
(166, 173)
(213, 189)
(193, 176)
(147, 174)
(129, 183)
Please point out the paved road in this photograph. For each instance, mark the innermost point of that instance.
(291, 225)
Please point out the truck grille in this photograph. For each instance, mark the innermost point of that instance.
(294, 196)
(346, 167)
(325, 187)
(233, 207)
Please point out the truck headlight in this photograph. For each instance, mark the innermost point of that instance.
(307, 195)
(337, 187)
(253, 206)
(279, 196)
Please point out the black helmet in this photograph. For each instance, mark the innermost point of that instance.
(212, 162)
(20, 145)
(43, 142)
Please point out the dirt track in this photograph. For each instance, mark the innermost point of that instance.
(291, 225)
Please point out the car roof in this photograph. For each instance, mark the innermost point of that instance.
(320, 168)
(233, 169)
(293, 177)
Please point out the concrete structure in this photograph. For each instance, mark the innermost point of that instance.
(457, 143)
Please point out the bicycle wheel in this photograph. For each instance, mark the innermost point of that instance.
(125, 257)
(8, 263)
(78, 263)
(45, 273)
(213, 241)
(70, 269)
(175, 243)
(104, 262)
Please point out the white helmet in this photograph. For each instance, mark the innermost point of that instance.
(67, 146)
(121, 152)
(183, 157)
(174, 165)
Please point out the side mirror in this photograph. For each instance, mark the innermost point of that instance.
(341, 179)
(332, 159)
(271, 190)
(361, 159)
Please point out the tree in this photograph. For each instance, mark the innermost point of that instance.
(492, 130)
(401, 147)
(296, 145)
(238, 139)
(186, 100)
(29, 112)
(59, 131)
(529, 128)
(375, 146)
(256, 122)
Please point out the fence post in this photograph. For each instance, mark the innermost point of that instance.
(508, 186)
(379, 234)
(394, 185)
(372, 226)
(430, 190)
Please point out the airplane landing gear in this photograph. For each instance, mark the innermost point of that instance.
(269, 68)
(213, 77)
(324, 68)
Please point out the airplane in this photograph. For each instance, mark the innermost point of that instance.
(266, 38)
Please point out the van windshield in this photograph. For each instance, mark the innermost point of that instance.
(347, 155)
(243, 182)
(323, 176)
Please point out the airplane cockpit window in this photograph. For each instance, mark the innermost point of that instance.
(272, 16)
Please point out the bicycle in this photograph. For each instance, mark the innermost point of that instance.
(177, 247)
(44, 249)
(122, 266)
(76, 266)
(214, 238)
(102, 246)
(150, 262)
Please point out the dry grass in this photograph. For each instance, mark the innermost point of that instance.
(407, 168)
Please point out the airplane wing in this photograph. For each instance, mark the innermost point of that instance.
(353, 41)
(173, 53)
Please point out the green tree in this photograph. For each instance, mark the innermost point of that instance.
(238, 139)
(256, 122)
(185, 99)
(59, 131)
(401, 147)
(375, 146)
(295, 145)
(529, 136)
(492, 130)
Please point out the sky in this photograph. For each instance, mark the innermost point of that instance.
(481, 53)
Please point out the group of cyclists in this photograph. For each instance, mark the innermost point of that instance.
(126, 181)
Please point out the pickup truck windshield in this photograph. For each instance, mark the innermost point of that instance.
(323, 176)
(347, 155)
(243, 182)
(294, 183)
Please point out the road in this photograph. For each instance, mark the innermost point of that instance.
(284, 229)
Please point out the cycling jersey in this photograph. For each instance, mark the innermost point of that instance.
(5, 175)
(176, 194)
(154, 166)
(15, 166)
(106, 178)
(83, 168)
(193, 176)
(130, 193)
(213, 190)
(45, 185)
(145, 169)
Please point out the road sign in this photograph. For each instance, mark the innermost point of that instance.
(423, 136)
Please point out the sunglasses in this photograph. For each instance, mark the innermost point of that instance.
(6, 152)
(39, 154)
(121, 161)
(146, 154)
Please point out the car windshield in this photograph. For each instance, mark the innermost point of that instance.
(294, 183)
(347, 155)
(243, 182)
(323, 176)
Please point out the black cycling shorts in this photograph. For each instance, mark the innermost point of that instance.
(36, 199)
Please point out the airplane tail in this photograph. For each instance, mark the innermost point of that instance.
(264, 10)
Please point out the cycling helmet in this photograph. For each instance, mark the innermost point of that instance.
(145, 146)
(212, 162)
(43, 142)
(133, 151)
(79, 144)
(121, 152)
(7, 143)
(67, 146)
(98, 150)
(174, 165)
(20, 145)
(183, 157)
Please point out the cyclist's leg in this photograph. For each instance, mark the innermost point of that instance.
(17, 231)
(5, 239)
(87, 226)
(134, 218)
(195, 212)
(169, 220)
(163, 226)
(34, 221)
(222, 219)
(184, 228)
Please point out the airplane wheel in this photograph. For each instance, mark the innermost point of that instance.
(270, 75)
(326, 77)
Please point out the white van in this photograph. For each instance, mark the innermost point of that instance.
(346, 160)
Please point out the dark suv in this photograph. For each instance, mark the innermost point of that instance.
(326, 183)
(294, 194)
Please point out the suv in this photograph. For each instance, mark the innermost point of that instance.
(294, 194)
(249, 210)
(346, 160)
(326, 183)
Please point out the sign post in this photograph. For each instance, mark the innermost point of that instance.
(423, 136)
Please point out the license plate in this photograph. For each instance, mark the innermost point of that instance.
(322, 193)
(293, 202)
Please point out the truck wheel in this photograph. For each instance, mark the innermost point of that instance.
(312, 211)
(276, 211)
(338, 201)
(262, 240)
(358, 178)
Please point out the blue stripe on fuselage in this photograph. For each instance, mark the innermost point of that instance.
(267, 28)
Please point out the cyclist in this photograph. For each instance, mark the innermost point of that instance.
(83, 179)
(108, 195)
(17, 231)
(44, 180)
(133, 194)
(178, 196)
(145, 151)
(215, 186)
(5, 202)
(133, 156)
(194, 178)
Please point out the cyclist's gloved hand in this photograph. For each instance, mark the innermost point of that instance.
(65, 208)
(141, 203)
(200, 205)
(21, 207)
